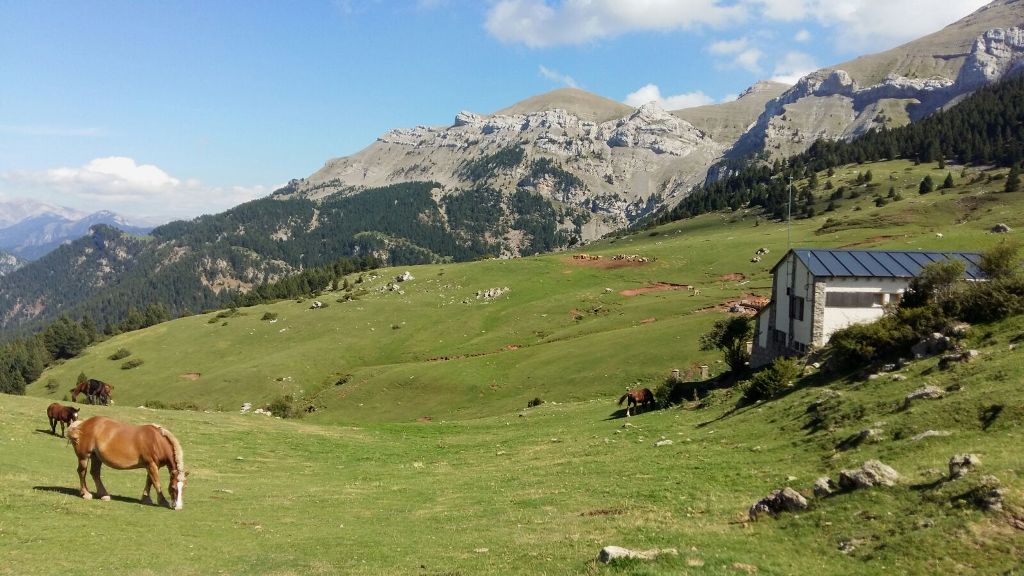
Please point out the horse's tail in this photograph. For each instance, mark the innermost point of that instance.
(623, 399)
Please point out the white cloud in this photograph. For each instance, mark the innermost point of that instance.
(558, 77)
(803, 35)
(540, 23)
(141, 191)
(868, 25)
(651, 93)
(741, 53)
(793, 66)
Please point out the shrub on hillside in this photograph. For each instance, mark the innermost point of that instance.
(269, 316)
(772, 380)
(134, 363)
(120, 354)
(534, 402)
(284, 407)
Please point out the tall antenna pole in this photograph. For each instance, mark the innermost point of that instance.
(789, 217)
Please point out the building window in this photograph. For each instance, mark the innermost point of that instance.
(796, 307)
(854, 299)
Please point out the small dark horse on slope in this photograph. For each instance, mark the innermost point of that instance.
(637, 397)
(96, 391)
(65, 415)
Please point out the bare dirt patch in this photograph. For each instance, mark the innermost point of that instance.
(732, 277)
(657, 287)
(190, 376)
(648, 320)
(425, 419)
(749, 303)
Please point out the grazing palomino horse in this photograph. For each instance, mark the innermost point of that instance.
(63, 414)
(637, 397)
(96, 391)
(126, 446)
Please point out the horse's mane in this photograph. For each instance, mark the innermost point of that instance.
(176, 452)
(73, 432)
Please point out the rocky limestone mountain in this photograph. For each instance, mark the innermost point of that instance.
(9, 263)
(894, 87)
(32, 229)
(727, 121)
(589, 155)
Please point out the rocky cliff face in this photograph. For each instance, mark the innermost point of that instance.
(831, 103)
(621, 168)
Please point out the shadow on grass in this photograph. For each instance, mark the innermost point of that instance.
(74, 492)
(621, 413)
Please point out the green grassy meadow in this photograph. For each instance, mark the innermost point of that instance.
(422, 457)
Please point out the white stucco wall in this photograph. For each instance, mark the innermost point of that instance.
(802, 285)
(837, 318)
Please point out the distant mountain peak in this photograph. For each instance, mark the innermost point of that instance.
(579, 103)
(763, 86)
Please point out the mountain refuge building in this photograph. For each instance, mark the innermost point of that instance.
(816, 292)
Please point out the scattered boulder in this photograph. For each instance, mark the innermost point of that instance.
(609, 554)
(404, 276)
(871, 473)
(779, 501)
(931, 345)
(948, 360)
(824, 486)
(873, 434)
(663, 442)
(1001, 229)
(961, 464)
(928, 434)
(926, 393)
(491, 293)
(988, 494)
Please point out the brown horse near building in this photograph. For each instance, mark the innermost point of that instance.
(122, 446)
(63, 414)
(637, 397)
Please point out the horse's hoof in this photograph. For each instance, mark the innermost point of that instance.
(105, 497)
(86, 496)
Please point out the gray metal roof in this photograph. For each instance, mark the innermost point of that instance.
(881, 263)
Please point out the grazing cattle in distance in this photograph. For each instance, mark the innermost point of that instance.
(101, 440)
(60, 413)
(96, 391)
(637, 397)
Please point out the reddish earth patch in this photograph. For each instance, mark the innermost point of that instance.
(506, 348)
(425, 419)
(603, 263)
(603, 512)
(732, 277)
(749, 303)
(648, 320)
(658, 287)
(190, 376)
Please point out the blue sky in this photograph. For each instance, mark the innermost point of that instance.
(164, 110)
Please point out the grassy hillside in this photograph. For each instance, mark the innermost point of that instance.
(542, 490)
(422, 457)
(565, 329)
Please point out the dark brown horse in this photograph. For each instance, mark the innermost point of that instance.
(96, 391)
(125, 447)
(63, 414)
(637, 397)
